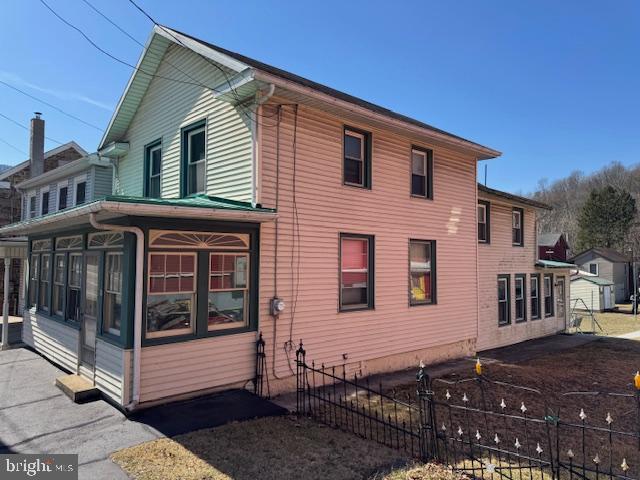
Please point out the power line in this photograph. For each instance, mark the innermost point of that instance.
(26, 128)
(113, 57)
(215, 65)
(13, 146)
(113, 23)
(50, 105)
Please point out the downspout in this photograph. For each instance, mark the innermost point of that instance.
(263, 98)
(137, 317)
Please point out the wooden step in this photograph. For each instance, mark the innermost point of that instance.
(77, 388)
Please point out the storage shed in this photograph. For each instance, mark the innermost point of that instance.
(593, 293)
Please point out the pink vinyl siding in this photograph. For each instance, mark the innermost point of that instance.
(308, 248)
(501, 257)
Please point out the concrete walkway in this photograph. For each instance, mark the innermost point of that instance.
(36, 417)
(630, 336)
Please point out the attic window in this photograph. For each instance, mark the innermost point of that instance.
(593, 268)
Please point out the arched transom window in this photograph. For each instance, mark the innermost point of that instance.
(173, 239)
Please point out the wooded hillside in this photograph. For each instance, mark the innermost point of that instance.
(568, 195)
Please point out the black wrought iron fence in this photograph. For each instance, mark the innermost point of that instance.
(483, 427)
(354, 405)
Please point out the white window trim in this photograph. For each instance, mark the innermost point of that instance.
(59, 187)
(76, 181)
(597, 268)
(190, 134)
(362, 138)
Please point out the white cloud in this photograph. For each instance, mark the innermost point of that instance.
(13, 78)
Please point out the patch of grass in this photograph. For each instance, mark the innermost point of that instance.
(429, 471)
(613, 323)
(277, 448)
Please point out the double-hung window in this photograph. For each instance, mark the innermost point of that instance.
(517, 217)
(357, 158)
(34, 275)
(520, 297)
(63, 193)
(421, 172)
(593, 268)
(484, 212)
(171, 303)
(504, 300)
(356, 272)
(228, 290)
(535, 296)
(45, 270)
(44, 202)
(112, 309)
(74, 286)
(194, 159)
(153, 169)
(548, 295)
(80, 190)
(59, 268)
(422, 272)
(32, 206)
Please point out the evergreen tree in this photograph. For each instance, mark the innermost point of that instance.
(606, 218)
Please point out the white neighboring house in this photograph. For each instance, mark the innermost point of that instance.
(589, 292)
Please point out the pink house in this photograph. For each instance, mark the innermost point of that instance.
(251, 200)
(520, 296)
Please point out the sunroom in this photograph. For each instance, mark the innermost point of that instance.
(134, 294)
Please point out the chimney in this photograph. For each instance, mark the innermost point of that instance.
(36, 146)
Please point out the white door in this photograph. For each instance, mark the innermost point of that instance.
(607, 298)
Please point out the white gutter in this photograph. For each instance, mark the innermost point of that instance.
(255, 194)
(485, 153)
(139, 209)
(137, 316)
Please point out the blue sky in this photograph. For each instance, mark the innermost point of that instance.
(553, 85)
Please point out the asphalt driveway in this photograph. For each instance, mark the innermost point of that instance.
(36, 417)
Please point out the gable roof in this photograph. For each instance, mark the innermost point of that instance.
(549, 239)
(49, 153)
(249, 69)
(513, 198)
(604, 252)
(593, 279)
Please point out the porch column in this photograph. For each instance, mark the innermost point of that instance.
(5, 305)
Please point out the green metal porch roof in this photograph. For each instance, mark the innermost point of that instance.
(200, 201)
(554, 264)
(244, 210)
